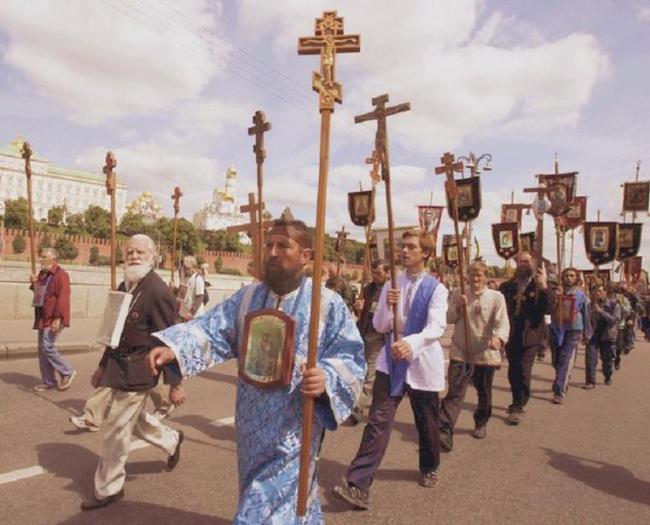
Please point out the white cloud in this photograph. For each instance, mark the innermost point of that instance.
(643, 13)
(106, 60)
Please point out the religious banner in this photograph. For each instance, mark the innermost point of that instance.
(576, 214)
(429, 217)
(566, 309)
(266, 355)
(632, 268)
(636, 196)
(511, 213)
(561, 191)
(600, 241)
(450, 250)
(469, 199)
(361, 207)
(527, 242)
(628, 239)
(590, 277)
(506, 239)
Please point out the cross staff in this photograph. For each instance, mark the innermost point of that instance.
(329, 39)
(109, 171)
(27, 155)
(448, 167)
(381, 152)
(253, 229)
(176, 197)
(373, 160)
(341, 238)
(260, 127)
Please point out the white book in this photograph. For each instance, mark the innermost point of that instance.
(115, 313)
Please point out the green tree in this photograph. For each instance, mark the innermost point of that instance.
(221, 240)
(97, 221)
(18, 244)
(94, 255)
(65, 249)
(75, 225)
(16, 215)
(133, 223)
(55, 215)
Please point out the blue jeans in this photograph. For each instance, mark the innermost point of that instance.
(606, 350)
(49, 358)
(564, 357)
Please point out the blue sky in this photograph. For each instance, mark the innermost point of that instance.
(172, 86)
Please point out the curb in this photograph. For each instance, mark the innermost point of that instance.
(26, 350)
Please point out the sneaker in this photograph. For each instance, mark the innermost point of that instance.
(608, 381)
(588, 386)
(514, 417)
(67, 381)
(172, 460)
(429, 479)
(446, 441)
(353, 495)
(82, 424)
(161, 413)
(42, 387)
(480, 432)
(558, 399)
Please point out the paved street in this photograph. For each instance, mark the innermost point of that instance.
(586, 461)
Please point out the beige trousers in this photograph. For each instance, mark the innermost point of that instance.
(99, 402)
(126, 418)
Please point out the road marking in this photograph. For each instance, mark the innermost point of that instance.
(37, 470)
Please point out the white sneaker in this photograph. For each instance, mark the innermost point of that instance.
(162, 414)
(82, 424)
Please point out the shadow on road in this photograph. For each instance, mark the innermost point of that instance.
(203, 424)
(138, 513)
(25, 383)
(220, 378)
(69, 461)
(604, 477)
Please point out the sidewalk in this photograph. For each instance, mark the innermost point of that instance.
(18, 339)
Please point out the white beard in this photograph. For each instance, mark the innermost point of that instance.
(135, 273)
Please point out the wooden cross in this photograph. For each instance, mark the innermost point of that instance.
(341, 238)
(448, 167)
(328, 40)
(381, 152)
(176, 197)
(27, 156)
(109, 171)
(374, 171)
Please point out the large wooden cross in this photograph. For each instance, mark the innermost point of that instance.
(253, 229)
(260, 126)
(111, 185)
(176, 197)
(27, 156)
(381, 152)
(329, 39)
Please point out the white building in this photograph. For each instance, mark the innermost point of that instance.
(52, 185)
(145, 205)
(223, 211)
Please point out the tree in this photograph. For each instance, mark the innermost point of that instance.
(45, 242)
(16, 215)
(75, 225)
(65, 250)
(18, 244)
(94, 255)
(133, 223)
(218, 264)
(55, 215)
(221, 240)
(97, 222)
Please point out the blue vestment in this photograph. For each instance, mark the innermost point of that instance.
(269, 422)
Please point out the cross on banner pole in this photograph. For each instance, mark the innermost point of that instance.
(329, 39)
(381, 152)
(109, 171)
(176, 197)
(27, 155)
(448, 167)
(258, 129)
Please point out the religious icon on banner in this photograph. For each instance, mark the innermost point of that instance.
(636, 196)
(469, 199)
(600, 241)
(510, 214)
(592, 277)
(506, 239)
(527, 242)
(629, 240)
(429, 217)
(361, 207)
(566, 308)
(632, 268)
(576, 214)
(450, 250)
(383, 243)
(266, 356)
(561, 191)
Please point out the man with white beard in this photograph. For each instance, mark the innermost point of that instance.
(125, 372)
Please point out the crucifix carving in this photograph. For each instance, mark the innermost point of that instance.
(260, 126)
(176, 197)
(26, 153)
(373, 160)
(109, 171)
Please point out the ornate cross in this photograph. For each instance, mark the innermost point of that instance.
(109, 171)
(260, 126)
(329, 39)
(176, 197)
(374, 171)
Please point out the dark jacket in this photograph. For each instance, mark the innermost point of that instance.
(526, 313)
(56, 304)
(152, 308)
(604, 321)
(371, 294)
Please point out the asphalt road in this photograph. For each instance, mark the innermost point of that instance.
(587, 461)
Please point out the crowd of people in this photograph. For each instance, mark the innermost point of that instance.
(372, 351)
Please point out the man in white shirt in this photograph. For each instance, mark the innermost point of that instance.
(414, 365)
(192, 304)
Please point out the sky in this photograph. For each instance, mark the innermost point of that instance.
(171, 87)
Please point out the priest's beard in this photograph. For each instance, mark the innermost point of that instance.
(134, 273)
(524, 273)
(280, 280)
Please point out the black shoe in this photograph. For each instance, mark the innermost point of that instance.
(429, 479)
(446, 441)
(172, 460)
(95, 503)
(353, 495)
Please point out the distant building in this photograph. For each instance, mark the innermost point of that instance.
(53, 185)
(223, 211)
(145, 205)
